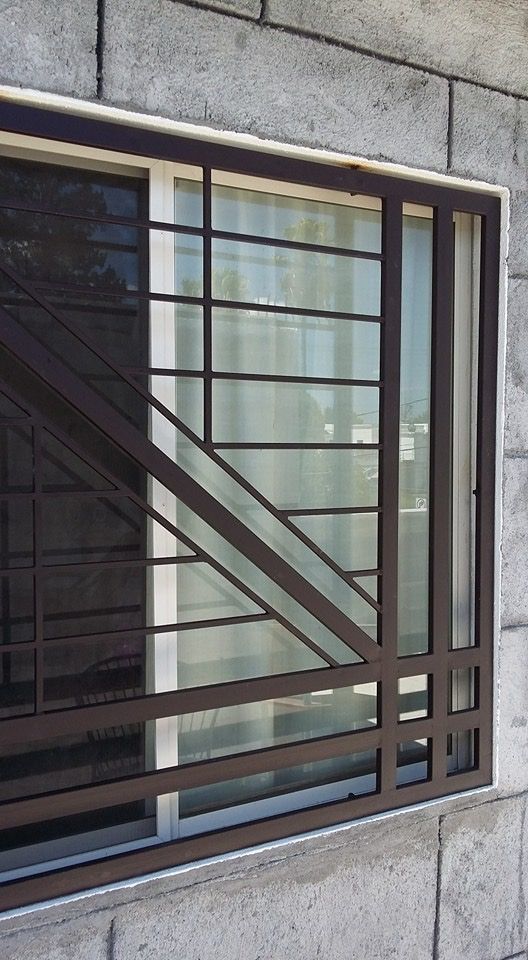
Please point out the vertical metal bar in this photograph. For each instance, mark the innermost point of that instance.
(486, 469)
(207, 319)
(37, 560)
(389, 485)
(441, 479)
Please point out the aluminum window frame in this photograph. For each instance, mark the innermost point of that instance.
(85, 134)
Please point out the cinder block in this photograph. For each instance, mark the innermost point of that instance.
(512, 741)
(458, 37)
(49, 46)
(518, 246)
(85, 939)
(481, 905)
(357, 902)
(191, 64)
(489, 136)
(514, 606)
(516, 425)
(244, 8)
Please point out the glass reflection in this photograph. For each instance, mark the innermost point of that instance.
(253, 273)
(414, 495)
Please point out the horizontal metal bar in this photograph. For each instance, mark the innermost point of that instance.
(8, 203)
(143, 142)
(144, 631)
(429, 662)
(329, 511)
(165, 227)
(235, 305)
(258, 377)
(279, 378)
(166, 855)
(178, 702)
(295, 245)
(95, 565)
(184, 777)
(297, 446)
(191, 775)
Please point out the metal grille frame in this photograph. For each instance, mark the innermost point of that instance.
(23, 358)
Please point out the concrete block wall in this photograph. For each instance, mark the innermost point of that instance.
(436, 84)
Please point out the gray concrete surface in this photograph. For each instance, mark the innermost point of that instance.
(482, 894)
(324, 904)
(516, 427)
(512, 745)
(258, 81)
(413, 886)
(457, 37)
(49, 46)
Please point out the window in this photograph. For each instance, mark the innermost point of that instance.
(246, 516)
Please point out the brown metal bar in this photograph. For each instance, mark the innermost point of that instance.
(141, 141)
(278, 378)
(298, 446)
(37, 559)
(126, 491)
(145, 631)
(178, 702)
(184, 777)
(201, 773)
(80, 335)
(389, 484)
(329, 511)
(486, 472)
(441, 477)
(12, 204)
(116, 868)
(133, 294)
(233, 530)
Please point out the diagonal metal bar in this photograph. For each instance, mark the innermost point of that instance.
(85, 400)
(31, 290)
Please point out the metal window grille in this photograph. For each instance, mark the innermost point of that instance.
(52, 400)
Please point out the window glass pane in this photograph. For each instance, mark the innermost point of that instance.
(16, 459)
(182, 396)
(413, 761)
(254, 726)
(9, 409)
(337, 778)
(462, 689)
(64, 471)
(254, 273)
(118, 324)
(44, 766)
(17, 623)
(16, 533)
(413, 568)
(188, 265)
(293, 479)
(462, 751)
(240, 651)
(413, 697)
(181, 347)
(349, 539)
(115, 599)
(247, 411)
(98, 671)
(188, 203)
(17, 687)
(102, 671)
(296, 219)
(275, 343)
